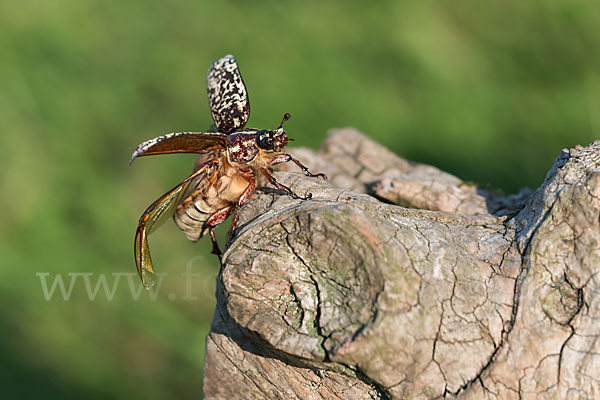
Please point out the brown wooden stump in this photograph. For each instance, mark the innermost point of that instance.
(398, 280)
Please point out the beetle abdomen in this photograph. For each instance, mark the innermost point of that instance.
(211, 194)
(191, 216)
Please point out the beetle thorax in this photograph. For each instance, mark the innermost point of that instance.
(242, 148)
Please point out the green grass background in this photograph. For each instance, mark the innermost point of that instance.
(490, 91)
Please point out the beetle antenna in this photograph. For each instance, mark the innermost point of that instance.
(286, 116)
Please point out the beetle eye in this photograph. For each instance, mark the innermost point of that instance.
(264, 140)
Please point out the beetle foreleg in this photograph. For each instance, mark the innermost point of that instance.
(215, 220)
(282, 187)
(283, 158)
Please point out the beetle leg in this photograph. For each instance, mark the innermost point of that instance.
(282, 158)
(282, 187)
(242, 200)
(215, 250)
(214, 220)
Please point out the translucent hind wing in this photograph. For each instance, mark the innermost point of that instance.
(156, 214)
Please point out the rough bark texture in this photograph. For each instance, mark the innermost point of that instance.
(398, 280)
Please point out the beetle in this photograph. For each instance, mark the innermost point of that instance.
(225, 175)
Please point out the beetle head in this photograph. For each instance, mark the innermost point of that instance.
(273, 140)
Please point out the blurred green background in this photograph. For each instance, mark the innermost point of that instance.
(488, 91)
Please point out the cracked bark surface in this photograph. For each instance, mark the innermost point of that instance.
(398, 280)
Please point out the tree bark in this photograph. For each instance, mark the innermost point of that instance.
(398, 280)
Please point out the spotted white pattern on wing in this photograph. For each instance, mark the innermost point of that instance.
(153, 142)
(227, 95)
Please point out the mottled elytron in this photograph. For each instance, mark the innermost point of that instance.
(226, 172)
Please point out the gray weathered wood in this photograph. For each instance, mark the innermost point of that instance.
(465, 293)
